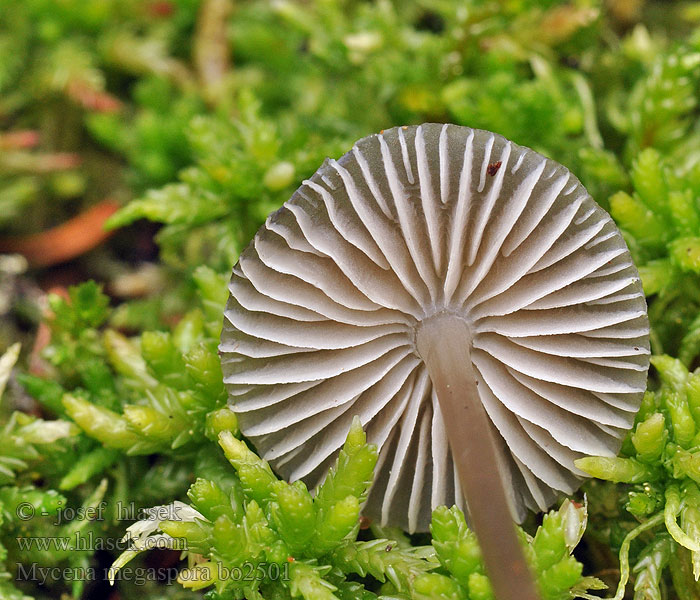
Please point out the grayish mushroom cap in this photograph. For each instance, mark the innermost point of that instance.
(422, 221)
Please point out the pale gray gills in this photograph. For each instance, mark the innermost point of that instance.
(470, 302)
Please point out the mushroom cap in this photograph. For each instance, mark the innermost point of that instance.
(422, 221)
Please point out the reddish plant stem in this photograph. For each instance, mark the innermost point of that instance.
(66, 241)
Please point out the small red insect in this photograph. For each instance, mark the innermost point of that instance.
(492, 169)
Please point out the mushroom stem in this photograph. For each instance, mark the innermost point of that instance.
(444, 343)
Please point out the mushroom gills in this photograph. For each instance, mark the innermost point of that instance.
(487, 325)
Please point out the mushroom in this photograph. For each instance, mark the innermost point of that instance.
(468, 299)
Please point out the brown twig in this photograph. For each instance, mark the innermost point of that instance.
(92, 99)
(12, 140)
(66, 241)
(212, 54)
(28, 162)
(161, 9)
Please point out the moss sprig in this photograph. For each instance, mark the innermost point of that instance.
(300, 545)
(660, 463)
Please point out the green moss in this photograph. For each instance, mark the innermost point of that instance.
(130, 405)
